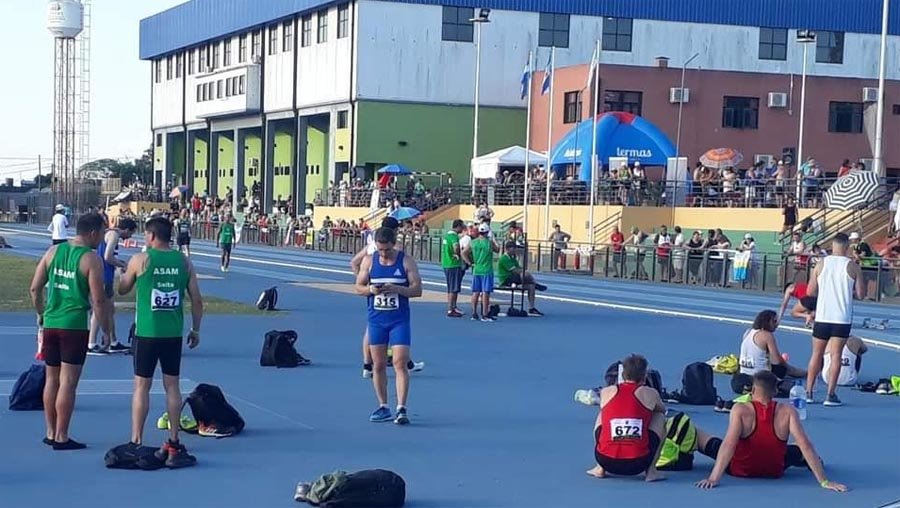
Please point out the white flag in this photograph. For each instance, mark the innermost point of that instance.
(595, 63)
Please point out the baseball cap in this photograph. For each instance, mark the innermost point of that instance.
(484, 228)
(748, 236)
(390, 222)
(854, 236)
(59, 207)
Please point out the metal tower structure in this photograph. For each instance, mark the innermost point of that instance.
(65, 21)
(83, 76)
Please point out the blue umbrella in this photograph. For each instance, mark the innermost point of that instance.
(395, 169)
(405, 213)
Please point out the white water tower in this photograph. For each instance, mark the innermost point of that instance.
(71, 91)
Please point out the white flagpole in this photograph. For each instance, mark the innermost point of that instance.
(596, 72)
(548, 166)
(527, 143)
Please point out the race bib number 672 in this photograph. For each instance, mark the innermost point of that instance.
(626, 428)
(164, 300)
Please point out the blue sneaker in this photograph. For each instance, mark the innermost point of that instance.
(382, 414)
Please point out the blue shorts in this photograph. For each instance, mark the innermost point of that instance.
(483, 283)
(396, 334)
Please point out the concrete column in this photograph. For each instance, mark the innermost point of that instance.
(212, 162)
(299, 163)
(268, 169)
(333, 177)
(240, 137)
(190, 154)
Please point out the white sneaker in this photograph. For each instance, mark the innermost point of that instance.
(222, 268)
(418, 366)
(587, 397)
(367, 373)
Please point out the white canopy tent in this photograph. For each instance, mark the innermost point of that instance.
(487, 166)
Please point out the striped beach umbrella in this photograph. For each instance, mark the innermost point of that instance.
(719, 158)
(852, 191)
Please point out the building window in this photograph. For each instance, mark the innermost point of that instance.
(845, 117)
(343, 20)
(192, 62)
(226, 54)
(553, 30)
(214, 61)
(219, 89)
(623, 100)
(772, 43)
(240, 85)
(255, 46)
(456, 24)
(273, 39)
(306, 31)
(203, 62)
(159, 140)
(829, 47)
(157, 71)
(740, 112)
(199, 93)
(287, 36)
(342, 119)
(179, 63)
(895, 109)
(242, 48)
(572, 107)
(617, 34)
(169, 68)
(322, 31)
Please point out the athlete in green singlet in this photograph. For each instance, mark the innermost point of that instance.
(74, 279)
(226, 240)
(161, 276)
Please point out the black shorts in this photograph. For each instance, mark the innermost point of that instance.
(809, 302)
(454, 278)
(226, 248)
(183, 240)
(825, 331)
(627, 467)
(513, 278)
(64, 346)
(150, 351)
(57, 242)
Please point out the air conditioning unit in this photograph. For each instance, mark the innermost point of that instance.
(677, 95)
(254, 162)
(870, 94)
(256, 59)
(764, 158)
(868, 163)
(778, 99)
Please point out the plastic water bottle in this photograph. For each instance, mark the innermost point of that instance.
(798, 399)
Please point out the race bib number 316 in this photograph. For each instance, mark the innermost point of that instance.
(164, 300)
(626, 428)
(387, 302)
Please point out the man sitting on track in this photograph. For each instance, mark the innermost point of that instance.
(755, 445)
(759, 349)
(355, 263)
(631, 425)
(805, 308)
(851, 361)
(509, 272)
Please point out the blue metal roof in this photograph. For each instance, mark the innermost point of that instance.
(201, 20)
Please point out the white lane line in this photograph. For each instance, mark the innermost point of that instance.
(562, 299)
(273, 413)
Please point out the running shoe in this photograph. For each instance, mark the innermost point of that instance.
(587, 397)
(367, 373)
(540, 287)
(382, 414)
(118, 347)
(212, 431)
(417, 367)
(96, 350)
(488, 319)
(832, 400)
(222, 268)
(187, 423)
(475, 317)
(884, 387)
(402, 418)
(454, 314)
(175, 455)
(809, 398)
(534, 312)
(162, 423)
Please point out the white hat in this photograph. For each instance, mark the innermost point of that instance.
(637, 163)
(854, 236)
(60, 207)
(484, 228)
(748, 236)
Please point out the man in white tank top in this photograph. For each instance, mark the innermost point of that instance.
(851, 362)
(759, 350)
(833, 281)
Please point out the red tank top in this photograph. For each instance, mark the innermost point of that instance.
(799, 290)
(761, 454)
(625, 425)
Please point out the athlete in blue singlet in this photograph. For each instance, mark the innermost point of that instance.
(108, 251)
(389, 279)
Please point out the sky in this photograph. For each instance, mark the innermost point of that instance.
(120, 99)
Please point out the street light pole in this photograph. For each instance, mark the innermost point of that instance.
(879, 117)
(681, 105)
(804, 37)
(477, 21)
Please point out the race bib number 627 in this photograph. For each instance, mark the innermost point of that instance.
(626, 428)
(164, 300)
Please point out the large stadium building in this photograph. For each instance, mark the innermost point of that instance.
(248, 91)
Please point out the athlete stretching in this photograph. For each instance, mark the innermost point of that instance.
(355, 264)
(389, 279)
(161, 276)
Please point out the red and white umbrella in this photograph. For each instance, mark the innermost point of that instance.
(719, 158)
